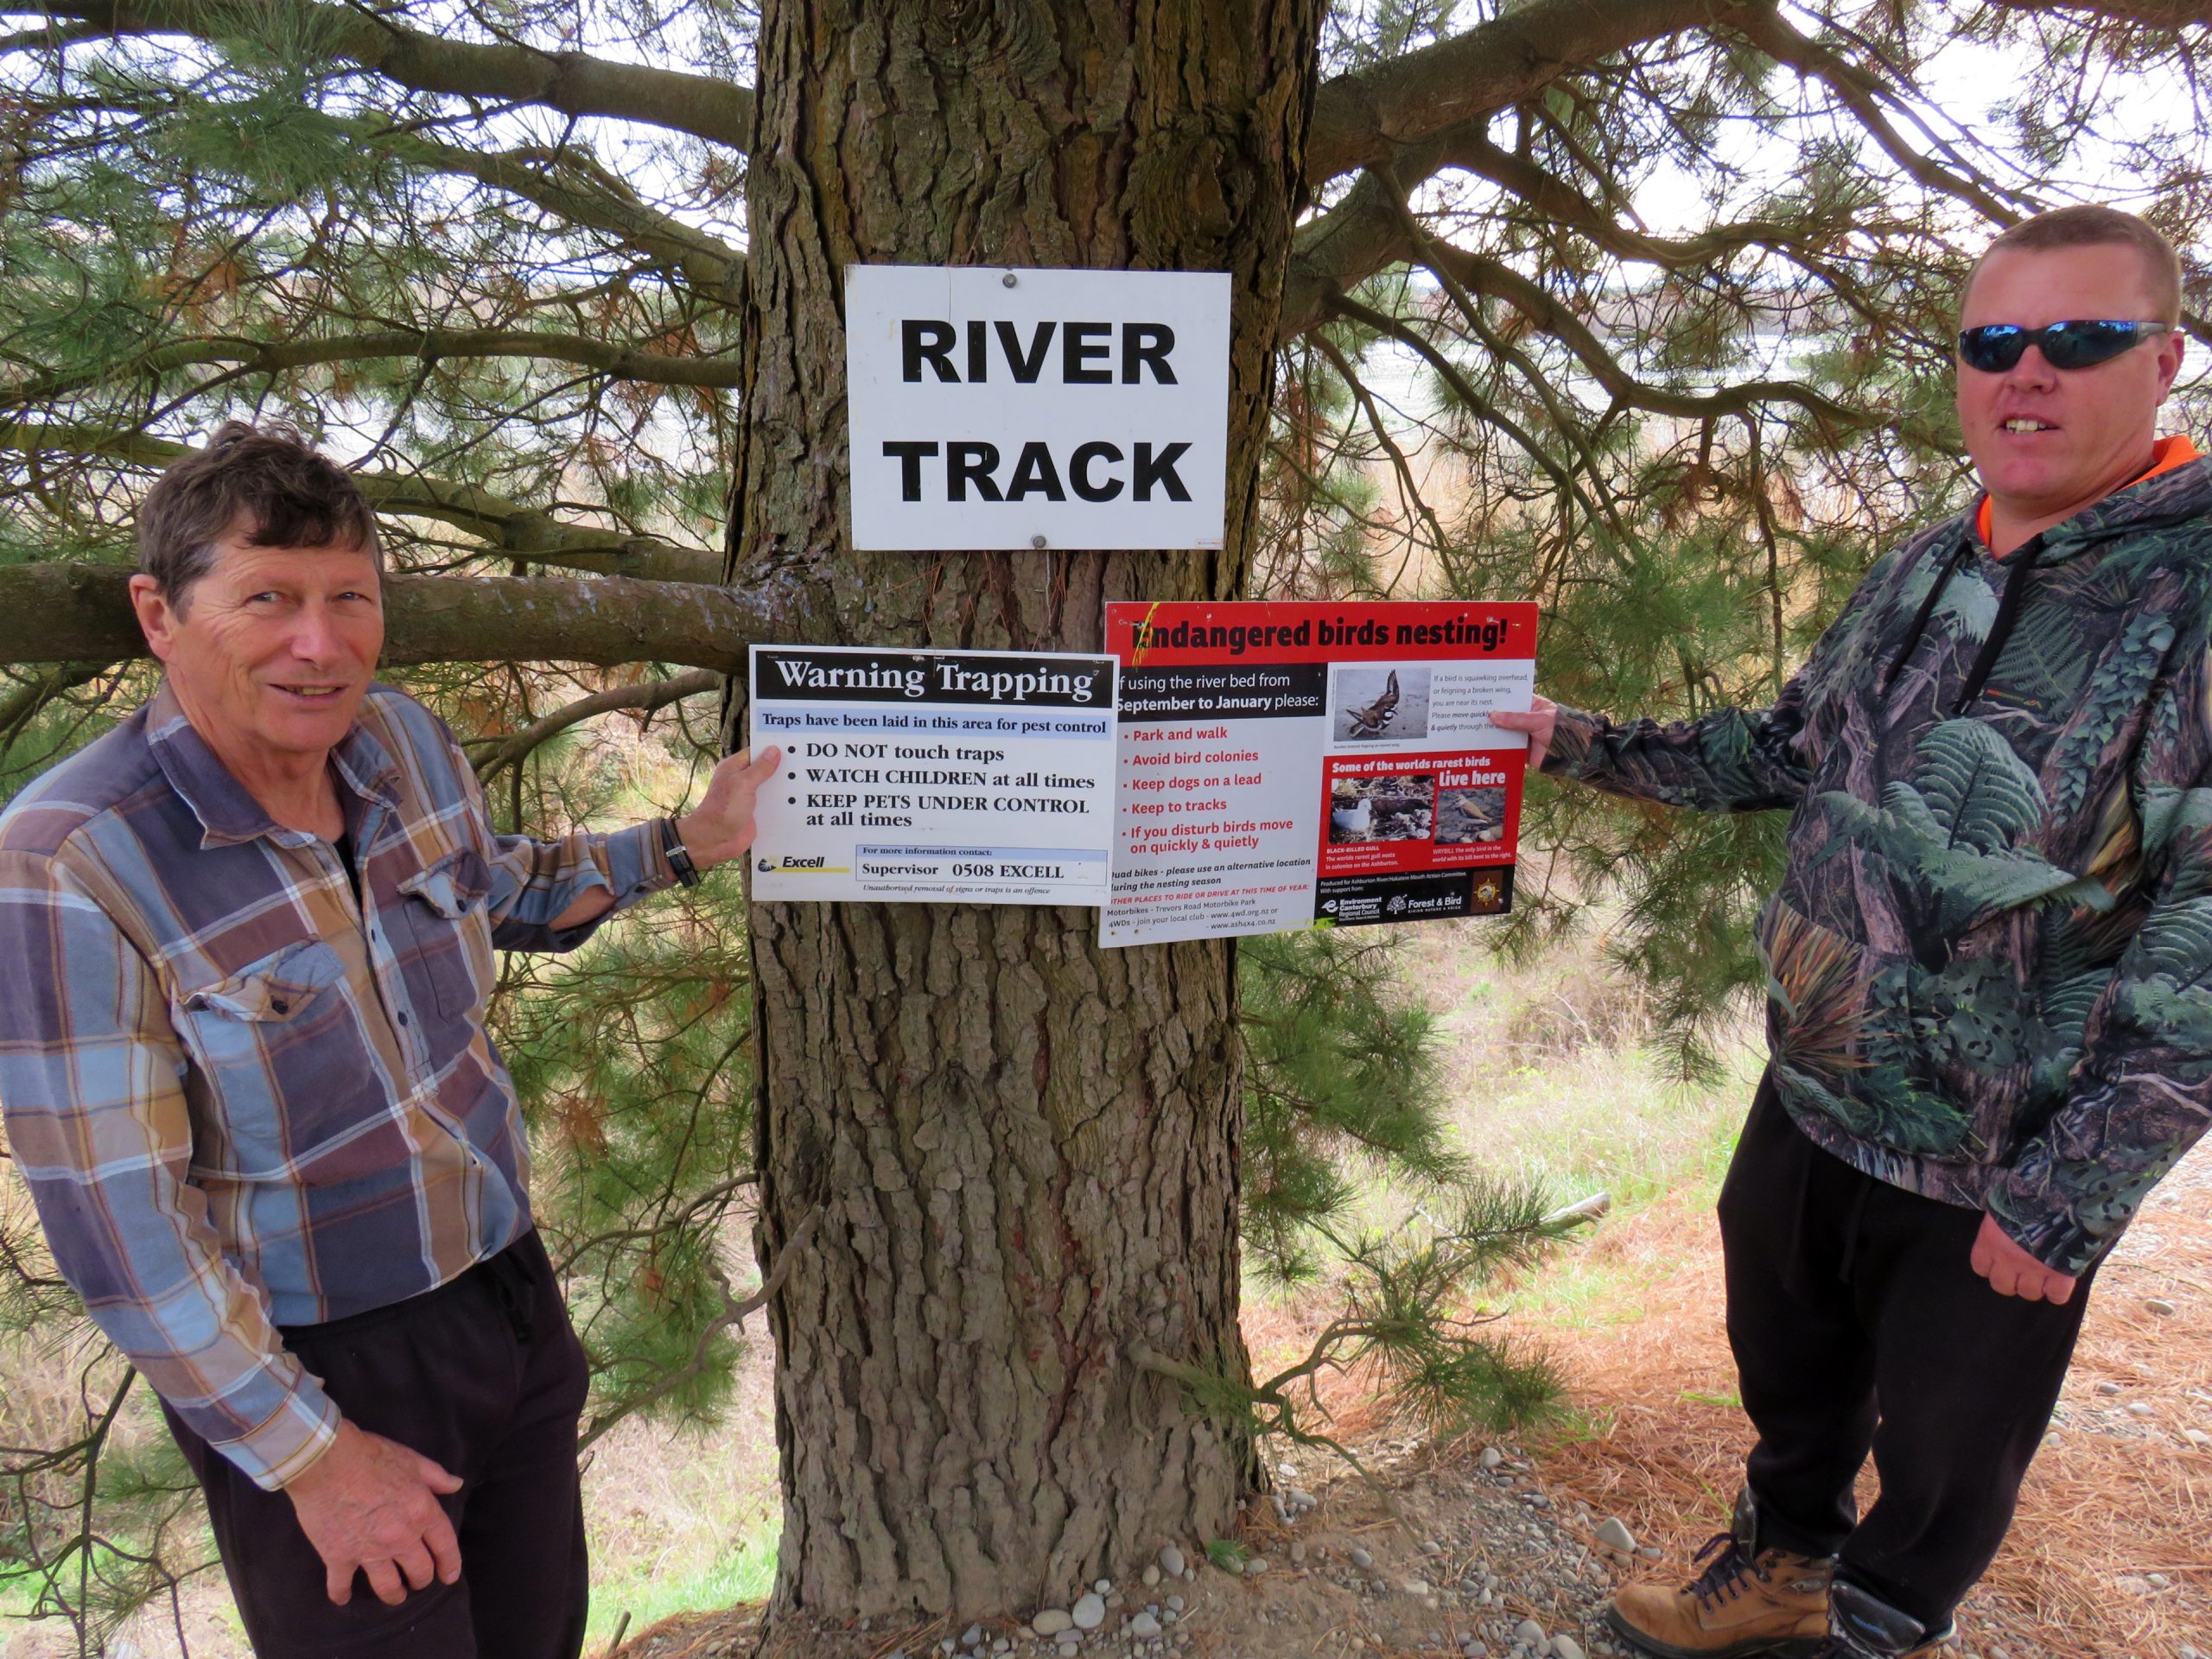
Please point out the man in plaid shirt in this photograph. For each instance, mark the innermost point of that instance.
(248, 938)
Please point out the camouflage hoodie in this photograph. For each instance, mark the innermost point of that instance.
(1989, 965)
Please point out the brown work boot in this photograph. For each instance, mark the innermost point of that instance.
(1746, 1602)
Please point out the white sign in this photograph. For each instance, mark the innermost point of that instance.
(1025, 409)
(983, 777)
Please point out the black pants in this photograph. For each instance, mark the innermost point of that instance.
(1858, 1323)
(484, 1376)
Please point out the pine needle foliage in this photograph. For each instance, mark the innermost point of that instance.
(1340, 1080)
(1411, 1327)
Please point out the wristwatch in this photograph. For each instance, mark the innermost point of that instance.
(678, 860)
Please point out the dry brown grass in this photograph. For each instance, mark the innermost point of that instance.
(2111, 1498)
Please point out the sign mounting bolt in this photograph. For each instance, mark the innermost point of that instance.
(1007, 281)
(1037, 541)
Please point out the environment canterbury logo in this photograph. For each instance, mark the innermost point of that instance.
(791, 865)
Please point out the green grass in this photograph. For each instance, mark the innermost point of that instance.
(745, 1574)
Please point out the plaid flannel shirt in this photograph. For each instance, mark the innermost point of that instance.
(242, 1099)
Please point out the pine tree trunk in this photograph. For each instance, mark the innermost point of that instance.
(1023, 1149)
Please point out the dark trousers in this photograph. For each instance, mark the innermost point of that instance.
(485, 1375)
(1858, 1323)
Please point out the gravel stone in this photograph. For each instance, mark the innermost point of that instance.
(1104, 1586)
(1613, 1535)
(1359, 1558)
(1151, 1576)
(1174, 1603)
(1529, 1631)
(1050, 1622)
(1089, 1613)
(1492, 1457)
(1255, 1565)
(2107, 1387)
(1171, 1561)
(1144, 1625)
(1565, 1647)
(971, 1636)
(2159, 1306)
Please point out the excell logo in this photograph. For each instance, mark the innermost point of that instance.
(789, 864)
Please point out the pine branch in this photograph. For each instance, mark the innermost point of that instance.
(651, 695)
(572, 83)
(733, 1315)
(251, 357)
(1486, 277)
(1860, 93)
(80, 613)
(1373, 117)
(1551, 199)
(2157, 13)
(1468, 393)
(509, 530)
(568, 183)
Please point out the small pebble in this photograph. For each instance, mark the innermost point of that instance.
(1430, 1546)
(1151, 1576)
(1297, 1555)
(2159, 1306)
(1104, 1586)
(1359, 1558)
(1492, 1457)
(1613, 1535)
(2107, 1387)
(1565, 1647)
(1174, 1603)
(1255, 1565)
(1171, 1561)
(1144, 1625)
(1089, 1613)
(971, 1636)
(2140, 1407)
(1529, 1631)
(1050, 1622)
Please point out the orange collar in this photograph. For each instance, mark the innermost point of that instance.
(2165, 454)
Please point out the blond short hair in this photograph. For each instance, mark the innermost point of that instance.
(2088, 225)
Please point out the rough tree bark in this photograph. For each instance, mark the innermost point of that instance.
(1024, 1148)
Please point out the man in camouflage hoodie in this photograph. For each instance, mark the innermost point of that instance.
(1989, 965)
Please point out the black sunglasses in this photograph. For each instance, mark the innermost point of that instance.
(1997, 347)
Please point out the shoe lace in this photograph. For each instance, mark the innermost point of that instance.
(1723, 1577)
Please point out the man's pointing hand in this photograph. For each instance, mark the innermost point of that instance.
(1538, 720)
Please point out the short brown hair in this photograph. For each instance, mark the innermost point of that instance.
(2088, 225)
(271, 479)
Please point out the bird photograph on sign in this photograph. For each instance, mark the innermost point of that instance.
(1373, 701)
